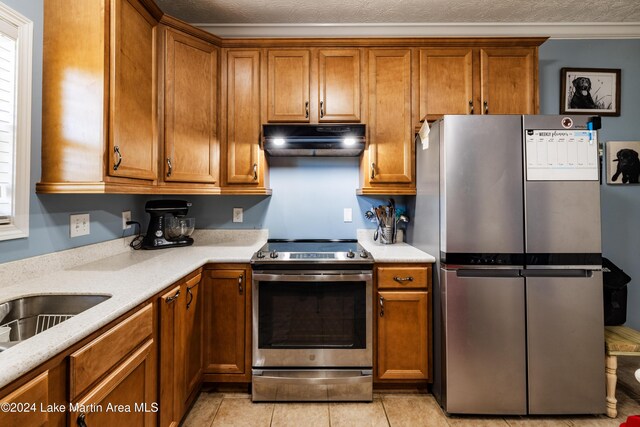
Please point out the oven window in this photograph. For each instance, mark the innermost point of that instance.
(312, 315)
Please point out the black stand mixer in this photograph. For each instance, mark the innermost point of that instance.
(168, 226)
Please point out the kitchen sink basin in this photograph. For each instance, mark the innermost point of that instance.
(29, 316)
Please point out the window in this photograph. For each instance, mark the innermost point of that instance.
(16, 34)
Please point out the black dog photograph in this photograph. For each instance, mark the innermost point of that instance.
(590, 91)
(623, 163)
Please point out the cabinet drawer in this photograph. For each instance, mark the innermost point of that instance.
(403, 277)
(35, 392)
(99, 356)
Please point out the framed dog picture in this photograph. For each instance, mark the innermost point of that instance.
(623, 164)
(590, 91)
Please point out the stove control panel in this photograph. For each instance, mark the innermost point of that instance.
(273, 254)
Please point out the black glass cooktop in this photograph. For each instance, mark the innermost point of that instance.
(318, 248)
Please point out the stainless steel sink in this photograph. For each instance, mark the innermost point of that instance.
(29, 316)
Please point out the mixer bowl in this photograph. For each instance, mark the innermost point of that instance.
(176, 228)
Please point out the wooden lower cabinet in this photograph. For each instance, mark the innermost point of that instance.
(402, 325)
(126, 396)
(181, 345)
(25, 404)
(227, 297)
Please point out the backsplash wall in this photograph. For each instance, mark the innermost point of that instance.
(620, 205)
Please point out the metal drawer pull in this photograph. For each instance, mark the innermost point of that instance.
(80, 421)
(169, 300)
(403, 279)
(471, 107)
(255, 171)
(321, 109)
(306, 110)
(486, 107)
(381, 306)
(373, 170)
(116, 150)
(240, 284)
(190, 297)
(169, 166)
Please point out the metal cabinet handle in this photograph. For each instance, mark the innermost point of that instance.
(486, 107)
(373, 170)
(240, 278)
(169, 166)
(255, 171)
(81, 420)
(169, 300)
(403, 279)
(116, 150)
(321, 109)
(471, 107)
(190, 297)
(381, 306)
(306, 110)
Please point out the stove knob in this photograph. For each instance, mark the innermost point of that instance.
(350, 254)
(363, 254)
(260, 254)
(273, 254)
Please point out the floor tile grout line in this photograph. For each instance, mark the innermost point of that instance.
(215, 413)
(384, 408)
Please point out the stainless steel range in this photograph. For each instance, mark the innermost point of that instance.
(312, 314)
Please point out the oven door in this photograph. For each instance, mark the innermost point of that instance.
(312, 319)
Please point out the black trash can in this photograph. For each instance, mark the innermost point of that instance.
(615, 293)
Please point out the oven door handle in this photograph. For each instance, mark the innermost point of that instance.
(351, 277)
(359, 377)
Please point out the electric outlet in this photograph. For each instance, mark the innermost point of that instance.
(79, 225)
(126, 216)
(237, 214)
(348, 215)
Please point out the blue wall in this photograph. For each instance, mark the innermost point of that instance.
(620, 204)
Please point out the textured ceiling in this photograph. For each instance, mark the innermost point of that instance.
(400, 11)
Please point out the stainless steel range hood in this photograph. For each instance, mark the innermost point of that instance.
(314, 140)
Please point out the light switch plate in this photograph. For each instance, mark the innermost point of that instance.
(348, 215)
(237, 214)
(79, 225)
(126, 216)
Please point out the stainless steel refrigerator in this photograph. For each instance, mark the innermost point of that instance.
(510, 207)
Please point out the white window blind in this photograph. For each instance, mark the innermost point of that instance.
(16, 45)
(7, 126)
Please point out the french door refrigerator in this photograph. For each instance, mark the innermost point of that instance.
(510, 207)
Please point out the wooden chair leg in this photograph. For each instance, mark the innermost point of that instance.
(610, 370)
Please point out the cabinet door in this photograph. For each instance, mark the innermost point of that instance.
(191, 146)
(446, 82)
(509, 81)
(402, 336)
(391, 147)
(132, 385)
(226, 321)
(243, 118)
(339, 80)
(34, 395)
(288, 86)
(190, 338)
(132, 103)
(170, 396)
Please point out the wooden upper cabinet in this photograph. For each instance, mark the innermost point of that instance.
(288, 85)
(446, 82)
(389, 160)
(133, 91)
(339, 85)
(509, 81)
(242, 145)
(191, 146)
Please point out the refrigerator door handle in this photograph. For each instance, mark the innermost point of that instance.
(576, 273)
(488, 272)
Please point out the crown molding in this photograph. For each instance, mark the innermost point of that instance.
(556, 30)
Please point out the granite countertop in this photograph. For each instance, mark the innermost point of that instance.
(130, 278)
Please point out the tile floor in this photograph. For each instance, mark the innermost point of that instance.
(391, 409)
